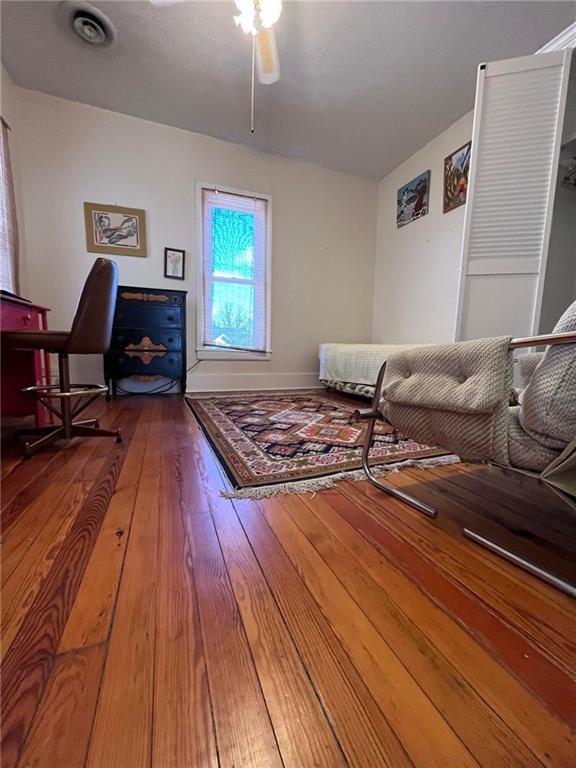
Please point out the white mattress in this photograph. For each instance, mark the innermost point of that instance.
(355, 363)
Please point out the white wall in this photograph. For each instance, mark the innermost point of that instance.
(8, 94)
(324, 232)
(416, 270)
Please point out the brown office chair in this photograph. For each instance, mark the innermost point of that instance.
(90, 334)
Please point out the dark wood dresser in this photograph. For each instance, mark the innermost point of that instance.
(148, 337)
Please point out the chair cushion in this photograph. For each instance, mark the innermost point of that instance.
(464, 377)
(527, 364)
(525, 452)
(548, 409)
(452, 395)
(51, 341)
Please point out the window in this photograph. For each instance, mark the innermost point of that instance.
(233, 279)
(8, 224)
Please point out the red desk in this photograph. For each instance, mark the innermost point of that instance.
(23, 369)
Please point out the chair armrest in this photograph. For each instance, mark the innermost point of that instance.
(453, 395)
(461, 377)
(550, 339)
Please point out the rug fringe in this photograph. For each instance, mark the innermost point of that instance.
(315, 484)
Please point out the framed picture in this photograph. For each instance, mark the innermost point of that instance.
(114, 229)
(174, 263)
(412, 202)
(456, 169)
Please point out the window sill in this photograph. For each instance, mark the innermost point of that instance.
(230, 354)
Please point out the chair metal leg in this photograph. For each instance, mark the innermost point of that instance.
(47, 430)
(87, 423)
(66, 393)
(526, 565)
(39, 431)
(79, 430)
(64, 371)
(425, 509)
(370, 416)
(51, 437)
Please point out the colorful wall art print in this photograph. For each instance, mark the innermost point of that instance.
(114, 229)
(413, 200)
(456, 169)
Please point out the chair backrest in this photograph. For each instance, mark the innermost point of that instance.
(548, 410)
(92, 327)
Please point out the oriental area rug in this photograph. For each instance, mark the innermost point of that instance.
(297, 441)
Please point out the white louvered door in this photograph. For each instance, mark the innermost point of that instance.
(518, 121)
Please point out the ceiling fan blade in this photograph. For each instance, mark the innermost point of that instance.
(267, 61)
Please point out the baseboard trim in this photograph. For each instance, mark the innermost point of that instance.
(230, 382)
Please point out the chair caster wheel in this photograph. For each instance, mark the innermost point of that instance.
(97, 424)
(119, 439)
(27, 457)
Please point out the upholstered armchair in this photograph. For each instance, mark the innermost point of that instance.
(458, 396)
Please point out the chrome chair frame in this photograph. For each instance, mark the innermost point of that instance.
(373, 414)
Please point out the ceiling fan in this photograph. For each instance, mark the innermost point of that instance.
(256, 18)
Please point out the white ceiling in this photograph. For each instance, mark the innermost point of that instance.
(363, 86)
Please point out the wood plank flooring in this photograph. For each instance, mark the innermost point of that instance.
(148, 621)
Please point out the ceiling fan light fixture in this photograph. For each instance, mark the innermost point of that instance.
(267, 61)
(255, 14)
(270, 12)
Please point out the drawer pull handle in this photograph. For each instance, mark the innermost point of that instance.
(170, 339)
(170, 318)
(27, 318)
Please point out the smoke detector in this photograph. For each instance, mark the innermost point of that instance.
(89, 23)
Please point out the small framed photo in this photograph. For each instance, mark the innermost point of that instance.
(115, 229)
(456, 170)
(174, 263)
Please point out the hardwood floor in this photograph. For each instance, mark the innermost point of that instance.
(148, 621)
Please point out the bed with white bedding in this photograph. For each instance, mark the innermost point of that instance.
(353, 368)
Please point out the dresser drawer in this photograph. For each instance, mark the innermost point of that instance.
(150, 339)
(119, 365)
(150, 296)
(151, 316)
(18, 317)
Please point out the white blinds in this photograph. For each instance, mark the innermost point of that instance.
(515, 154)
(8, 224)
(234, 271)
(517, 127)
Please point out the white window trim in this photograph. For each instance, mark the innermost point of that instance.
(204, 353)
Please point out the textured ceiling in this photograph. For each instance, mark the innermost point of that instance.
(363, 86)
